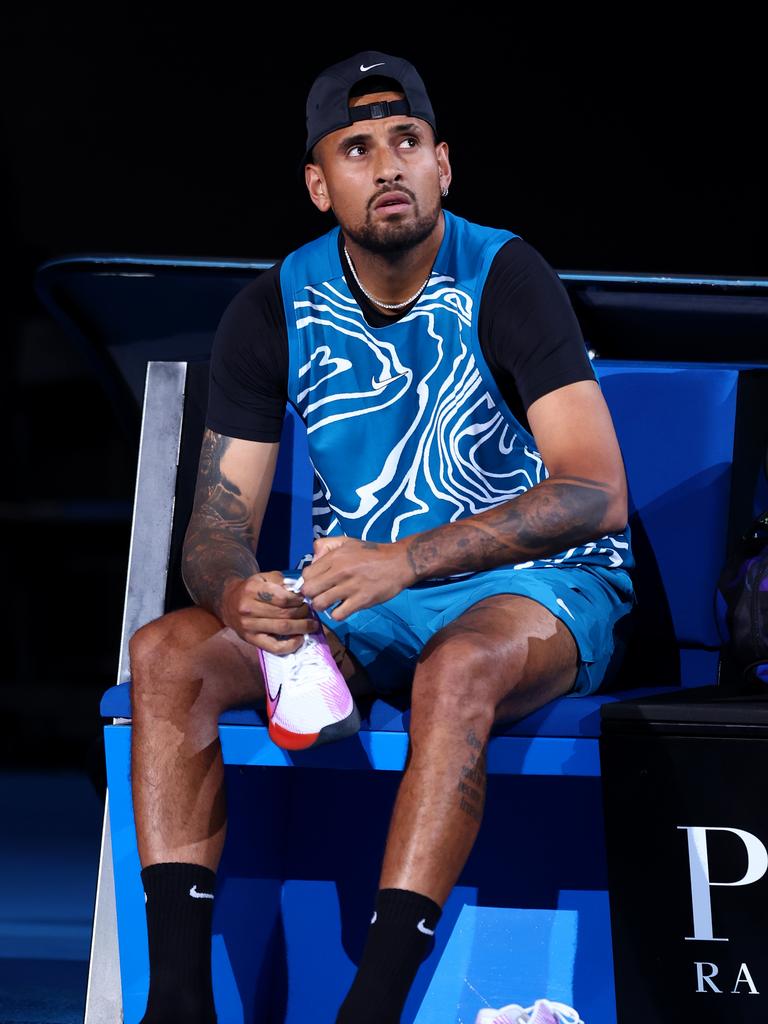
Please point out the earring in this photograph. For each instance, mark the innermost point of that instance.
(444, 192)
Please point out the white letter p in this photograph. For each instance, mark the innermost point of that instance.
(757, 865)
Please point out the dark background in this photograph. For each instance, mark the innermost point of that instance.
(607, 141)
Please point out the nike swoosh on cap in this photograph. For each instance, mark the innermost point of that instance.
(200, 895)
(364, 68)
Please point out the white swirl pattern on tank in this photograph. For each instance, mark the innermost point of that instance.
(450, 421)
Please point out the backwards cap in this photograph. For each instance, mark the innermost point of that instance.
(328, 101)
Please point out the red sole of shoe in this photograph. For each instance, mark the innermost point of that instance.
(291, 740)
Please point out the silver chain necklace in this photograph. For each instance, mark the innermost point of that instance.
(385, 305)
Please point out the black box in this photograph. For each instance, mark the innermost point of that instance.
(685, 785)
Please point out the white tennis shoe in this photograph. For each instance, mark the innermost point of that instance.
(308, 700)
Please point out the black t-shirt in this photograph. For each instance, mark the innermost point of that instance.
(528, 333)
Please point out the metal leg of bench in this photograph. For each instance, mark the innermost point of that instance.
(104, 996)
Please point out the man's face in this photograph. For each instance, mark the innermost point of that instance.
(382, 178)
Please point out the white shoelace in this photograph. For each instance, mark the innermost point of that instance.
(308, 666)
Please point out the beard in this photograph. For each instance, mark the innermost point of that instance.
(393, 238)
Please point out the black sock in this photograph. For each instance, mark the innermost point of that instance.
(179, 913)
(399, 938)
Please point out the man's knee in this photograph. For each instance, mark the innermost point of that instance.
(154, 649)
(456, 680)
(482, 669)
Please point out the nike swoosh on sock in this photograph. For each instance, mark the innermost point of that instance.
(200, 895)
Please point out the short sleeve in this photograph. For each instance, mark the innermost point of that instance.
(248, 386)
(528, 329)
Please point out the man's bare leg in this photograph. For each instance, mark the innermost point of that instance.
(186, 669)
(501, 659)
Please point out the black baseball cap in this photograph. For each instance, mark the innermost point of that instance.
(328, 101)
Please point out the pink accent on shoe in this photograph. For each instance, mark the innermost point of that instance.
(307, 694)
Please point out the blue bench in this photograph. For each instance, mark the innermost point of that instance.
(530, 912)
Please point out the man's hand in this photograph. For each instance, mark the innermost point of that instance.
(262, 611)
(357, 573)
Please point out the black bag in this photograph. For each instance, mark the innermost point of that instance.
(742, 609)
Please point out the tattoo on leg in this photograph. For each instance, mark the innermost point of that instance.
(473, 741)
(473, 794)
(470, 811)
(471, 785)
(473, 775)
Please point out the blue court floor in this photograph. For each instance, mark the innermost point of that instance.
(50, 830)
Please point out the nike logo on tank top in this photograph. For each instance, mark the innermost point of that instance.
(407, 429)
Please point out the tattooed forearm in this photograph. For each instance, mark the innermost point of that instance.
(219, 544)
(556, 514)
(471, 787)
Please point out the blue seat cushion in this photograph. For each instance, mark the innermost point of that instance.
(566, 716)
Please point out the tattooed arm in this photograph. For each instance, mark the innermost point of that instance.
(219, 564)
(584, 497)
(234, 479)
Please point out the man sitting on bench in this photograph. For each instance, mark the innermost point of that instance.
(470, 515)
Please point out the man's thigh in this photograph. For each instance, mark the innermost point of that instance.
(521, 655)
(390, 649)
(594, 606)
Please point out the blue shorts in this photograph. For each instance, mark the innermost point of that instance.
(591, 601)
